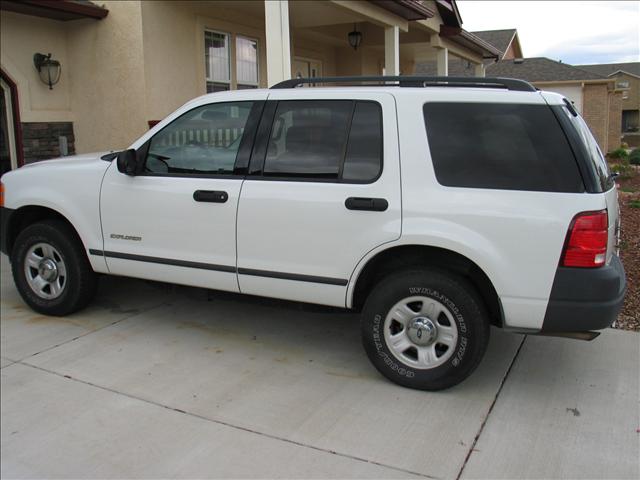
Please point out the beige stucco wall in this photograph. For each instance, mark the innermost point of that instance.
(107, 78)
(20, 37)
(173, 44)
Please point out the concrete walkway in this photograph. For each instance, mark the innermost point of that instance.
(158, 381)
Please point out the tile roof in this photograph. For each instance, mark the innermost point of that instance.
(539, 69)
(498, 38)
(606, 69)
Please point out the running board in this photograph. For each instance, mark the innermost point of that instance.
(587, 336)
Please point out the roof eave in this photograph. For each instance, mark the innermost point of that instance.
(469, 40)
(408, 9)
(54, 9)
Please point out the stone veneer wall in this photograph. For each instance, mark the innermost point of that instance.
(615, 120)
(41, 140)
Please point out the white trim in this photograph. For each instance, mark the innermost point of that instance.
(623, 71)
(235, 59)
(229, 58)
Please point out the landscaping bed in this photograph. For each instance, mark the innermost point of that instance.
(629, 194)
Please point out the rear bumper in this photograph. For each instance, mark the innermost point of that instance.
(585, 299)
(5, 214)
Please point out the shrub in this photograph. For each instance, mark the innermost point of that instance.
(618, 153)
(623, 169)
(634, 157)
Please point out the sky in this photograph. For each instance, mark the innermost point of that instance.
(576, 32)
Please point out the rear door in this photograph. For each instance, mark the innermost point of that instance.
(323, 189)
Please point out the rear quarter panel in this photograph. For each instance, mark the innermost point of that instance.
(516, 237)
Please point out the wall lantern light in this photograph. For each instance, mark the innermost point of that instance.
(48, 69)
(355, 38)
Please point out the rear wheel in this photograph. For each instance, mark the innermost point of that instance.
(51, 269)
(425, 329)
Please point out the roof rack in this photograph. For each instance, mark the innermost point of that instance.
(416, 81)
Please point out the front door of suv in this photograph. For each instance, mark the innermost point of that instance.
(323, 190)
(176, 220)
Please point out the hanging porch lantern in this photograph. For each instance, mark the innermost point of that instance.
(355, 38)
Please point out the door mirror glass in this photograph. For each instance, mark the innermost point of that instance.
(128, 162)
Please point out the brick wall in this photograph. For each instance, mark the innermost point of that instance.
(595, 110)
(615, 120)
(41, 140)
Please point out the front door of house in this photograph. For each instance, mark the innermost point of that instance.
(306, 67)
(8, 158)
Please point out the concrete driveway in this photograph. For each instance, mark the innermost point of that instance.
(155, 380)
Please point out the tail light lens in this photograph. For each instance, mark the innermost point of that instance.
(1, 194)
(586, 244)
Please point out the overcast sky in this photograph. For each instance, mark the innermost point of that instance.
(576, 32)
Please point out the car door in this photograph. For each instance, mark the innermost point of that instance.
(323, 190)
(175, 221)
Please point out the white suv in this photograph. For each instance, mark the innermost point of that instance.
(435, 206)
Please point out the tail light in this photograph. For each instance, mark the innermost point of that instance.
(1, 194)
(586, 243)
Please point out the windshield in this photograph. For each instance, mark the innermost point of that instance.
(595, 154)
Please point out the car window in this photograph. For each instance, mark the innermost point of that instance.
(500, 146)
(325, 139)
(363, 161)
(203, 141)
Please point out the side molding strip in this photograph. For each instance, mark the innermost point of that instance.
(223, 268)
(293, 276)
(164, 261)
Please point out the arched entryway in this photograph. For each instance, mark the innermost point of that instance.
(11, 153)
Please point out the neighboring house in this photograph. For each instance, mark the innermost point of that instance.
(595, 96)
(506, 41)
(127, 64)
(627, 77)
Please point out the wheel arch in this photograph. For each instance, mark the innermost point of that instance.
(27, 215)
(409, 256)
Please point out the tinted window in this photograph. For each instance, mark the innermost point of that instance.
(334, 140)
(501, 146)
(202, 141)
(308, 138)
(364, 151)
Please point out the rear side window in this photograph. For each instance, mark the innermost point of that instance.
(335, 140)
(500, 146)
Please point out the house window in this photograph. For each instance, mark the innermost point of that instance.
(623, 84)
(625, 95)
(217, 61)
(246, 63)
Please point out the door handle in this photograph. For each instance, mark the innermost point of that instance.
(214, 196)
(362, 203)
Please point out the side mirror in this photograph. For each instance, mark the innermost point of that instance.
(128, 162)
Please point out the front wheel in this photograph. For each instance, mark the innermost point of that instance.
(51, 269)
(425, 329)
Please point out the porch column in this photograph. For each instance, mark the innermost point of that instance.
(392, 50)
(442, 57)
(276, 24)
(479, 70)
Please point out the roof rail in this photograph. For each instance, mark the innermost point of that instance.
(417, 81)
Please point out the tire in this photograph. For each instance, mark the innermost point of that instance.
(425, 329)
(51, 270)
